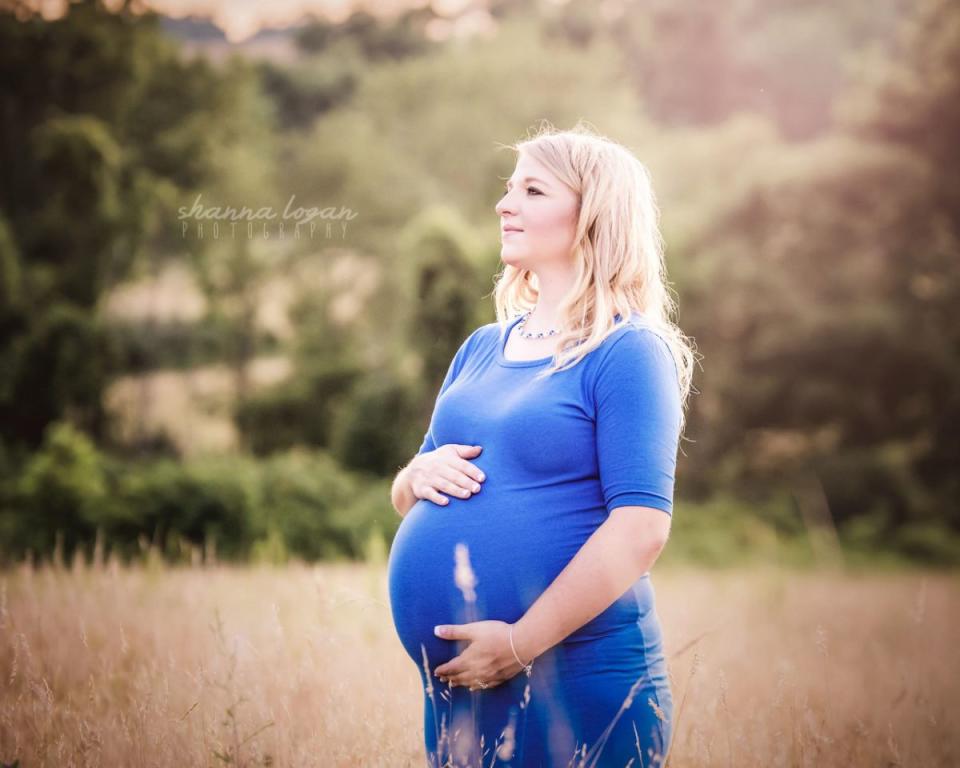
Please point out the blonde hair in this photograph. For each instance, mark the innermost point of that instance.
(618, 252)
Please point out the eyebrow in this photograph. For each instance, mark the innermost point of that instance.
(530, 178)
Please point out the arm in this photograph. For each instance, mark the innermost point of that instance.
(618, 553)
(401, 492)
(637, 401)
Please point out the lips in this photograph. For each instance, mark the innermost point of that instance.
(510, 230)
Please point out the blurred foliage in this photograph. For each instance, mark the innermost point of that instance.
(145, 346)
(446, 289)
(102, 118)
(374, 37)
(295, 504)
(62, 490)
(799, 155)
(304, 92)
(60, 364)
(835, 297)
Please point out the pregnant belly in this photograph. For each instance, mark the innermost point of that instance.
(515, 551)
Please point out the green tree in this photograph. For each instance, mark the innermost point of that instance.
(103, 120)
(61, 493)
(446, 291)
(377, 38)
(834, 303)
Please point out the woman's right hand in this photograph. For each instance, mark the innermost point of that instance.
(445, 470)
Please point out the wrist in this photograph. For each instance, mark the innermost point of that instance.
(413, 466)
(523, 643)
(402, 493)
(410, 474)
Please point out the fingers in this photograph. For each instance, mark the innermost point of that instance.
(433, 492)
(448, 475)
(470, 470)
(469, 681)
(462, 486)
(455, 483)
(454, 679)
(432, 495)
(452, 669)
(453, 674)
(463, 465)
(464, 480)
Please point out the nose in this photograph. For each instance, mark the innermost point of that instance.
(505, 205)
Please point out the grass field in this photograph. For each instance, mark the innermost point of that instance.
(300, 666)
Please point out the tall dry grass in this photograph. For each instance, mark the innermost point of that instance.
(299, 666)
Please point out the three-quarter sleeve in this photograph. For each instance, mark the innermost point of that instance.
(638, 415)
(453, 370)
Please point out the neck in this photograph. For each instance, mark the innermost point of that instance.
(553, 283)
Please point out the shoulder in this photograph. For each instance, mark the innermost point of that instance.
(635, 342)
(485, 333)
(490, 329)
(480, 336)
(636, 356)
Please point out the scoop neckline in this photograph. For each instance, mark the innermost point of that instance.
(502, 343)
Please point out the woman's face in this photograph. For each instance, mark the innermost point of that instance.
(538, 218)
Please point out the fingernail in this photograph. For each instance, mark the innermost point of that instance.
(438, 631)
(476, 488)
(482, 477)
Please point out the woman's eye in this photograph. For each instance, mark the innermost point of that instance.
(529, 189)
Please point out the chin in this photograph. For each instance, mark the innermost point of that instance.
(513, 258)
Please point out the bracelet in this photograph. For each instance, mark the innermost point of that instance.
(528, 668)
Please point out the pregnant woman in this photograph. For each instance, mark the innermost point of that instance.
(519, 578)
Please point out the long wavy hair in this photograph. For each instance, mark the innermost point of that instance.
(618, 252)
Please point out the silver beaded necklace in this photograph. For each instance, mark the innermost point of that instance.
(540, 335)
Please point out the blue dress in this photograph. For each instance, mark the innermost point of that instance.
(558, 454)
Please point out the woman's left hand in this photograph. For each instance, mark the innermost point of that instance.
(488, 659)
